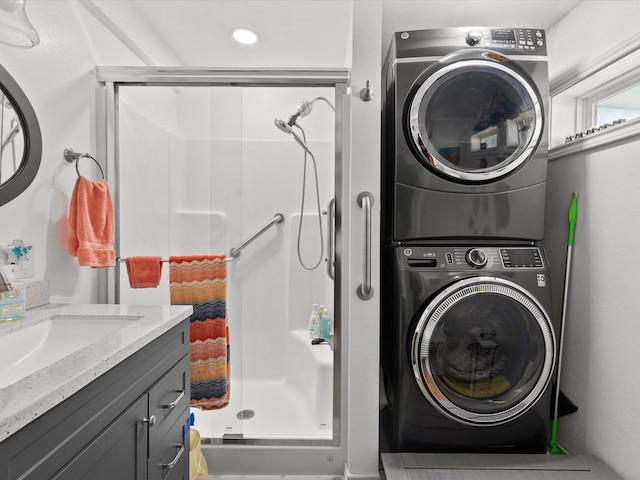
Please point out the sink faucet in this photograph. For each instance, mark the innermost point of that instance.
(5, 284)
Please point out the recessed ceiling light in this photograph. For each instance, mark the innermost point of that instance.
(245, 36)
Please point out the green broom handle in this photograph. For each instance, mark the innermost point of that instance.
(553, 447)
(573, 218)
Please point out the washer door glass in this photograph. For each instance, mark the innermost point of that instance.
(475, 120)
(483, 351)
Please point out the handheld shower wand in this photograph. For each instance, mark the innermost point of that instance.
(286, 128)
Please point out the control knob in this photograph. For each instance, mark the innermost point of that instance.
(476, 258)
(473, 38)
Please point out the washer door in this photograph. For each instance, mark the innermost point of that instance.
(474, 117)
(483, 351)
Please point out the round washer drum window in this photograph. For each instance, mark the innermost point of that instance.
(483, 351)
(475, 120)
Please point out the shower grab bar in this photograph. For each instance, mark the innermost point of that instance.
(277, 218)
(331, 241)
(365, 290)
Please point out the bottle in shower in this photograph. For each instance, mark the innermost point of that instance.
(314, 322)
(325, 324)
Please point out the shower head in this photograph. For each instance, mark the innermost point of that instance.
(304, 109)
(282, 125)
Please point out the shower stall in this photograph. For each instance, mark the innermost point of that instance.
(197, 167)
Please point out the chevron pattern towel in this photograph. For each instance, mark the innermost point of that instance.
(201, 281)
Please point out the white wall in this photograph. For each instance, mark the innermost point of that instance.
(601, 358)
(57, 76)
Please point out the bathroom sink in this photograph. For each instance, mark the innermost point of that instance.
(27, 350)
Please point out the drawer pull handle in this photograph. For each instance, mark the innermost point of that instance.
(176, 401)
(173, 462)
(151, 420)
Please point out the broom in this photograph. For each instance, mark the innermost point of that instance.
(553, 448)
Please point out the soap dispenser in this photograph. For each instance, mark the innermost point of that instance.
(13, 298)
(314, 323)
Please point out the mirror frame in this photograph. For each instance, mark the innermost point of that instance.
(32, 154)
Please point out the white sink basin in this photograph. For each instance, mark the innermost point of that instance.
(29, 349)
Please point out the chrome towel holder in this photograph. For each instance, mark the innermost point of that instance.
(71, 155)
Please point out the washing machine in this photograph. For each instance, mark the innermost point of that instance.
(467, 349)
(465, 133)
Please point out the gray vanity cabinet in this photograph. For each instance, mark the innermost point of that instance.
(127, 424)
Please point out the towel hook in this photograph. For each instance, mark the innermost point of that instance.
(72, 156)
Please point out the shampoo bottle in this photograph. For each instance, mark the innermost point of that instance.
(325, 324)
(314, 323)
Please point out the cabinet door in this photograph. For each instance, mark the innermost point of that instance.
(119, 452)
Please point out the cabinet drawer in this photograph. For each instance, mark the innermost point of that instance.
(170, 458)
(167, 400)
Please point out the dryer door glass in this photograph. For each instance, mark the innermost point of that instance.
(475, 120)
(484, 351)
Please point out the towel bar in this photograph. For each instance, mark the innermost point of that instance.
(72, 156)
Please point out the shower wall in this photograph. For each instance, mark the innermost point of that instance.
(200, 170)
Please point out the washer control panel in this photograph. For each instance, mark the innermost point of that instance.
(460, 258)
(521, 258)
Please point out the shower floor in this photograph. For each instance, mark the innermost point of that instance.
(279, 412)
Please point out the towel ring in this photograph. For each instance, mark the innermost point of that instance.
(71, 156)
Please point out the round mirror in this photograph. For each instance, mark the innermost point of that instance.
(20, 139)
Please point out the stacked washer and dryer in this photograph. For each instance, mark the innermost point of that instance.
(467, 342)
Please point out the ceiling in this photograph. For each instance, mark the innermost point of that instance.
(301, 33)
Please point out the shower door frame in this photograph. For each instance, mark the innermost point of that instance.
(112, 78)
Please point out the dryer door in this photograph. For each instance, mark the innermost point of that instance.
(474, 117)
(483, 351)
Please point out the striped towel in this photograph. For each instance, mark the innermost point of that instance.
(201, 281)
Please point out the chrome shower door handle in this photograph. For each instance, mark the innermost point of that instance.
(365, 290)
(331, 239)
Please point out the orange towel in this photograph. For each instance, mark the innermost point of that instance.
(144, 272)
(91, 224)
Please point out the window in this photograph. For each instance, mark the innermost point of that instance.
(608, 96)
(623, 105)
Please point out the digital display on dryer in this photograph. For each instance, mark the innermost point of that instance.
(503, 36)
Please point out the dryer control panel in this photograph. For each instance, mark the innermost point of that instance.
(462, 258)
(525, 40)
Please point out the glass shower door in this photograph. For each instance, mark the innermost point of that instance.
(200, 170)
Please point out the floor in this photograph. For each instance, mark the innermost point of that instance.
(434, 466)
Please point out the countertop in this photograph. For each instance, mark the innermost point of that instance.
(27, 399)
